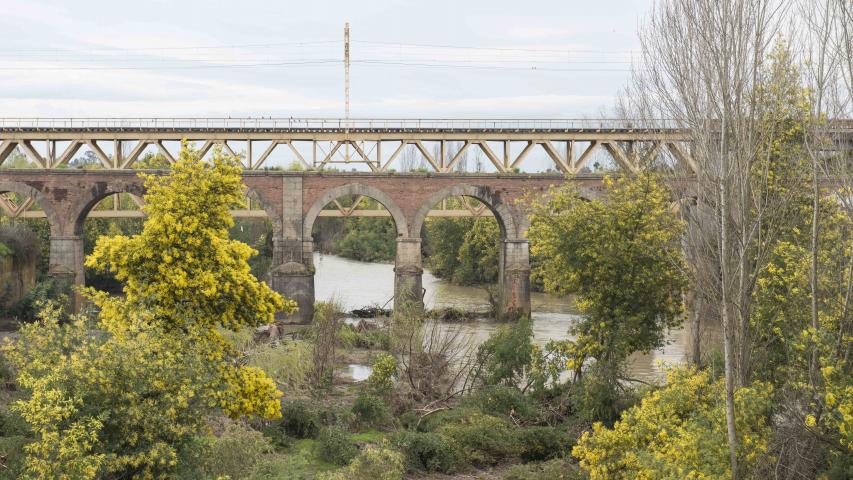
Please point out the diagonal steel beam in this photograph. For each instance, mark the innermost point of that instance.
(586, 155)
(364, 156)
(458, 156)
(32, 154)
(332, 152)
(205, 148)
(619, 155)
(394, 155)
(555, 155)
(522, 155)
(491, 156)
(165, 151)
(224, 143)
(266, 153)
(298, 155)
(69, 152)
(134, 154)
(105, 160)
(682, 156)
(426, 155)
(6, 148)
(652, 154)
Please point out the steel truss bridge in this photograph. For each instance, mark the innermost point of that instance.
(376, 145)
(317, 144)
(68, 191)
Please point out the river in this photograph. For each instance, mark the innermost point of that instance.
(356, 284)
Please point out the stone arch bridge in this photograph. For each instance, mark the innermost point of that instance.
(294, 200)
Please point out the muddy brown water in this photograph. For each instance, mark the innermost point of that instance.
(356, 284)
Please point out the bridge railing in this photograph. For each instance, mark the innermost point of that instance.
(333, 123)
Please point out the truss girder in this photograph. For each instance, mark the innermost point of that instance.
(557, 146)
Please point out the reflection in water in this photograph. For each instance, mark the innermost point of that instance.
(357, 372)
(357, 284)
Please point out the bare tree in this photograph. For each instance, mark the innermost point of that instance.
(409, 159)
(701, 67)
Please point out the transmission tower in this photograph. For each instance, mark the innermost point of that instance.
(346, 84)
(346, 71)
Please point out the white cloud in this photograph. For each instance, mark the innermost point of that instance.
(95, 31)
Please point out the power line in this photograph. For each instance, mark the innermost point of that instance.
(198, 47)
(490, 67)
(319, 62)
(179, 67)
(515, 49)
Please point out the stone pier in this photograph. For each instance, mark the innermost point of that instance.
(514, 279)
(66, 267)
(292, 274)
(408, 274)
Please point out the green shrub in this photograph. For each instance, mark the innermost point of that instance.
(381, 378)
(277, 436)
(299, 419)
(482, 439)
(503, 358)
(557, 469)
(335, 446)
(541, 443)
(337, 415)
(347, 336)
(12, 455)
(26, 309)
(235, 453)
(504, 399)
(12, 424)
(293, 466)
(288, 363)
(374, 340)
(600, 397)
(430, 452)
(369, 239)
(435, 421)
(374, 463)
(369, 409)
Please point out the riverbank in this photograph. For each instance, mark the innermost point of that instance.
(353, 284)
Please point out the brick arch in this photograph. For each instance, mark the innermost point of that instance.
(492, 200)
(99, 191)
(53, 220)
(274, 216)
(355, 189)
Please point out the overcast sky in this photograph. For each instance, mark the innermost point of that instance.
(535, 59)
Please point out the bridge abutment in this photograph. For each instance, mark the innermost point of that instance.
(514, 280)
(408, 274)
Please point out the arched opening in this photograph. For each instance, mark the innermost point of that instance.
(120, 213)
(257, 225)
(462, 229)
(117, 213)
(354, 230)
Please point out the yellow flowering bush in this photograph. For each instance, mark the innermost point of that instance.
(809, 365)
(679, 432)
(123, 396)
(183, 267)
